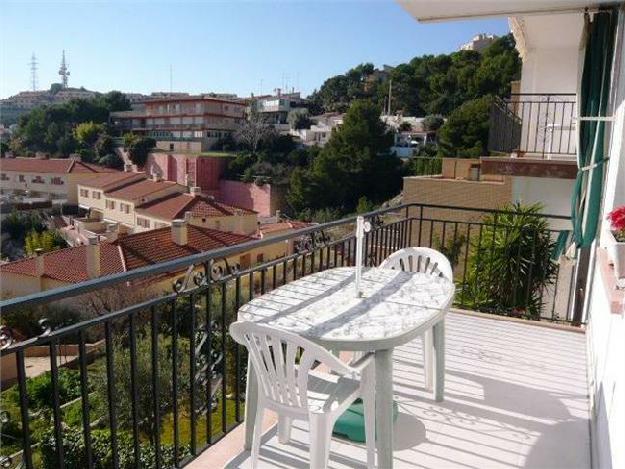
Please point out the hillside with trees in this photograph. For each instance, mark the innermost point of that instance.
(78, 126)
(427, 84)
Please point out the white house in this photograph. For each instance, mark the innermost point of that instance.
(551, 37)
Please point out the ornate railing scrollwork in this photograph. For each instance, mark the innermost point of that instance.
(311, 241)
(220, 271)
(46, 327)
(6, 336)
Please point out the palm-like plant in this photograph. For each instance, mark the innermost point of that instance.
(510, 265)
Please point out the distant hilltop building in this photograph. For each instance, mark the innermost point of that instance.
(479, 42)
(14, 106)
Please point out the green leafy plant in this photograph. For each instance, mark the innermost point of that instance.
(122, 385)
(509, 264)
(75, 455)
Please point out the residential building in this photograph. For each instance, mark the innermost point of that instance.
(265, 199)
(131, 202)
(77, 264)
(320, 131)
(14, 106)
(479, 42)
(55, 179)
(533, 374)
(275, 108)
(113, 198)
(179, 123)
(549, 37)
(191, 169)
(198, 210)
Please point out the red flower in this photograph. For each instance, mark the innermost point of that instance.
(617, 218)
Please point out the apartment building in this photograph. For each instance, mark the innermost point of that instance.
(132, 202)
(479, 42)
(113, 198)
(50, 270)
(183, 122)
(55, 179)
(275, 108)
(189, 169)
(198, 210)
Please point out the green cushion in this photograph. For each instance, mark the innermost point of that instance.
(351, 424)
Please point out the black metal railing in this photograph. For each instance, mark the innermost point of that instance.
(152, 378)
(534, 124)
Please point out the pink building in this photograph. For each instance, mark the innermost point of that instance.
(188, 169)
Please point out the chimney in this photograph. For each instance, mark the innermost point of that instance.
(195, 191)
(75, 157)
(179, 232)
(40, 155)
(128, 168)
(187, 216)
(39, 262)
(278, 214)
(156, 177)
(93, 257)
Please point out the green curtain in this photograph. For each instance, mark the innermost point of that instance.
(594, 96)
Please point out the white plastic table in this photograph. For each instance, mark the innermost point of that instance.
(395, 307)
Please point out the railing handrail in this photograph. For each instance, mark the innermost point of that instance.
(543, 94)
(219, 254)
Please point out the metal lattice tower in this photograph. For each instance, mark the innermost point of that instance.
(33, 72)
(64, 71)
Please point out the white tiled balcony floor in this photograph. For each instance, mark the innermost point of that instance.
(516, 396)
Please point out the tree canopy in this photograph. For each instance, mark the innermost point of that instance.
(465, 134)
(355, 163)
(51, 128)
(427, 84)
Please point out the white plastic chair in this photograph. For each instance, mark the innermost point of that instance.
(427, 260)
(292, 384)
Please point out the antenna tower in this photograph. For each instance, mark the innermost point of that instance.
(64, 71)
(33, 72)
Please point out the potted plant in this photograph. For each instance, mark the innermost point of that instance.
(616, 244)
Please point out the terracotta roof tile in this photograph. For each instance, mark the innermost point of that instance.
(283, 226)
(151, 247)
(56, 264)
(174, 206)
(138, 189)
(126, 253)
(113, 180)
(52, 165)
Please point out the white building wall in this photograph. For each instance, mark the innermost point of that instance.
(553, 193)
(606, 330)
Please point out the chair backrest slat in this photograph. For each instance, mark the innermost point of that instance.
(283, 377)
(419, 259)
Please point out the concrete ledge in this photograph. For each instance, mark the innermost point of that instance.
(563, 169)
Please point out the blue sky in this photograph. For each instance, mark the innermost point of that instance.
(213, 46)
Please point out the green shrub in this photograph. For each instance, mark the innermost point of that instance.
(40, 388)
(76, 458)
(510, 263)
(123, 397)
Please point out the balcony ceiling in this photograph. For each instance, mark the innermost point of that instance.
(444, 10)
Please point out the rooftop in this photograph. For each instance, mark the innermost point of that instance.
(516, 396)
(282, 226)
(56, 264)
(52, 165)
(175, 205)
(126, 253)
(111, 181)
(151, 247)
(140, 188)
